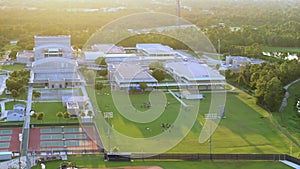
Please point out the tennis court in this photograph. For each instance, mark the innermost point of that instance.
(9, 139)
(4, 145)
(62, 136)
(59, 130)
(5, 132)
(5, 138)
(61, 139)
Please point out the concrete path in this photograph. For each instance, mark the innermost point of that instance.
(85, 94)
(28, 108)
(293, 165)
(173, 94)
(287, 95)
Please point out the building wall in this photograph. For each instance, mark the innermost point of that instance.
(56, 84)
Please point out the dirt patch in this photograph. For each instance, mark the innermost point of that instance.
(130, 167)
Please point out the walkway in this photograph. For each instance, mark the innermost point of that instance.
(173, 94)
(293, 165)
(287, 95)
(85, 94)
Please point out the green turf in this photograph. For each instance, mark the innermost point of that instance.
(289, 118)
(13, 67)
(124, 125)
(10, 105)
(50, 109)
(246, 129)
(96, 161)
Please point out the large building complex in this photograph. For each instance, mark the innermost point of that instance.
(52, 46)
(53, 66)
(55, 72)
(195, 74)
(125, 75)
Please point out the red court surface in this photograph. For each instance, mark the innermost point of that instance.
(73, 139)
(68, 139)
(13, 143)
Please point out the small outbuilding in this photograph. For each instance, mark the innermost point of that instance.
(17, 114)
(5, 156)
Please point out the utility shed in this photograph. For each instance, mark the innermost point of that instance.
(5, 156)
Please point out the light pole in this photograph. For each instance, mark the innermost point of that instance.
(211, 117)
(108, 115)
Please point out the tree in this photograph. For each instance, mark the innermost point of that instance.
(13, 84)
(82, 114)
(100, 61)
(90, 113)
(99, 85)
(102, 72)
(218, 66)
(40, 116)
(159, 74)
(143, 86)
(90, 76)
(13, 54)
(14, 94)
(36, 94)
(34, 115)
(66, 115)
(274, 94)
(59, 115)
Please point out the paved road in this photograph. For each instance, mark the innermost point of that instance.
(28, 108)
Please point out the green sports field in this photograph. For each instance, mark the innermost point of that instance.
(246, 128)
(96, 161)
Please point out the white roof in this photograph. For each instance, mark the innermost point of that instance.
(55, 60)
(93, 55)
(132, 73)
(108, 49)
(193, 71)
(155, 49)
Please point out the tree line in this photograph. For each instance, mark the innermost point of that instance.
(17, 82)
(266, 81)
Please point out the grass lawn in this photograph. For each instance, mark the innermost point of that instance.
(132, 129)
(13, 67)
(289, 118)
(50, 109)
(246, 129)
(96, 161)
(10, 105)
(281, 49)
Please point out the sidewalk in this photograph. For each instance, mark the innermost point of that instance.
(293, 165)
